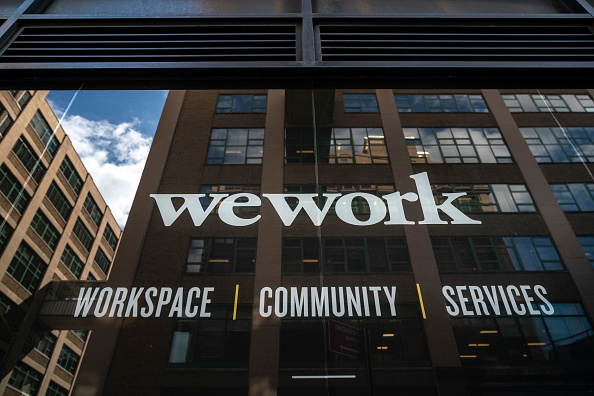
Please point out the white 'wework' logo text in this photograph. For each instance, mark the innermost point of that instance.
(306, 202)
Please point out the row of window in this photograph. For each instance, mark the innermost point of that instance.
(393, 341)
(427, 103)
(486, 254)
(380, 255)
(565, 336)
(425, 145)
(479, 198)
(28, 380)
(28, 268)
(16, 194)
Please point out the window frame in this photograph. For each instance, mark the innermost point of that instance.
(220, 109)
(30, 266)
(44, 132)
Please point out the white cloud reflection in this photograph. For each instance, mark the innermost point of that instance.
(114, 155)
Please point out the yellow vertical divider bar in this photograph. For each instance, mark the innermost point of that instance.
(235, 305)
(421, 300)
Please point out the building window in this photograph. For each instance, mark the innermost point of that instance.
(45, 229)
(82, 334)
(360, 103)
(353, 146)
(30, 161)
(345, 255)
(487, 198)
(54, 389)
(68, 360)
(219, 341)
(71, 175)
(393, 341)
(5, 121)
(83, 234)
(570, 144)
(221, 255)
(27, 267)
(42, 340)
(575, 197)
(456, 145)
(587, 243)
(72, 262)
(93, 209)
(301, 255)
(231, 189)
(44, 132)
(102, 261)
(299, 146)
(236, 146)
(13, 190)
(564, 336)
(25, 379)
(110, 237)
(58, 199)
(358, 205)
(5, 233)
(484, 254)
(23, 99)
(531, 103)
(442, 103)
(91, 277)
(241, 104)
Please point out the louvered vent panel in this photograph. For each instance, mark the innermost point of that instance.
(433, 43)
(202, 43)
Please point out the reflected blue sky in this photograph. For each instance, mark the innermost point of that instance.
(112, 132)
(114, 106)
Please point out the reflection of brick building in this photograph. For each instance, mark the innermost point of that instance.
(54, 226)
(525, 239)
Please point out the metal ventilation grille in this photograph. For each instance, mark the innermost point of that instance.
(432, 43)
(201, 43)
